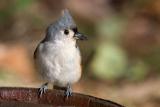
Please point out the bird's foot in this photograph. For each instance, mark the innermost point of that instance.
(68, 91)
(42, 89)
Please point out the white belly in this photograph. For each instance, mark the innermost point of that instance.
(59, 63)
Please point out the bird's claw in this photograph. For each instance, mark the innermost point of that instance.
(68, 91)
(42, 89)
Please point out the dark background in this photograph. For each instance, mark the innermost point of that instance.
(121, 59)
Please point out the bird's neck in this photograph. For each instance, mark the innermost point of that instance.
(66, 42)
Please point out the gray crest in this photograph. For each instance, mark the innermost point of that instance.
(64, 22)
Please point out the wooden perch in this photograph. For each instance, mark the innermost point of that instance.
(28, 97)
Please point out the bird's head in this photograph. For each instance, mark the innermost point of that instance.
(64, 28)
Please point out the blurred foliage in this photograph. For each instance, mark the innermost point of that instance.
(109, 62)
(12, 7)
(123, 43)
(104, 53)
(21, 4)
(112, 28)
(137, 71)
(7, 75)
(153, 59)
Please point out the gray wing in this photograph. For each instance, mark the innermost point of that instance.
(47, 61)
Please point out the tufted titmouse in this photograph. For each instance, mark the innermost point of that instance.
(57, 56)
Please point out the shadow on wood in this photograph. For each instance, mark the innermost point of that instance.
(27, 97)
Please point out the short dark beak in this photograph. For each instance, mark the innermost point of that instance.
(80, 36)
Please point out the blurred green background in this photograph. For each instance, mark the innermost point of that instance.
(121, 57)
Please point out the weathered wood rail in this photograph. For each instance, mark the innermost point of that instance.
(27, 97)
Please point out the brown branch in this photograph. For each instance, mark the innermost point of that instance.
(28, 97)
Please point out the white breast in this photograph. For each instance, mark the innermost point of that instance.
(59, 62)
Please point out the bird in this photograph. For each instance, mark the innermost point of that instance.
(57, 57)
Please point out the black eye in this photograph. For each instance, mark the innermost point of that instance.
(66, 32)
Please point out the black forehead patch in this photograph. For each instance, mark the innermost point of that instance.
(75, 30)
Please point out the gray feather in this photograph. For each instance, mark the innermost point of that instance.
(64, 22)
